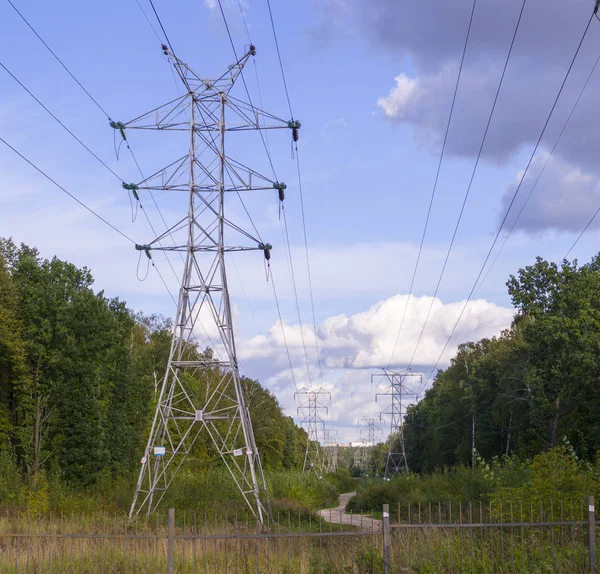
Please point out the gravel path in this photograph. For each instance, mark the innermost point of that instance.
(338, 515)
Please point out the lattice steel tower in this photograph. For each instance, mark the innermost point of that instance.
(398, 391)
(369, 442)
(330, 439)
(215, 407)
(312, 405)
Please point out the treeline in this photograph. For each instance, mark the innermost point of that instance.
(525, 390)
(79, 374)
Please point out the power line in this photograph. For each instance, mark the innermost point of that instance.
(111, 171)
(148, 20)
(542, 172)
(582, 232)
(310, 288)
(300, 189)
(437, 176)
(246, 87)
(59, 60)
(479, 408)
(296, 296)
(287, 93)
(287, 349)
(66, 191)
(91, 98)
(287, 238)
(94, 155)
(161, 26)
(466, 197)
(512, 200)
(58, 121)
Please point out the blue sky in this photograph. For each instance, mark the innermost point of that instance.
(369, 149)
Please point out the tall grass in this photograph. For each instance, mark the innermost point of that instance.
(141, 546)
(208, 490)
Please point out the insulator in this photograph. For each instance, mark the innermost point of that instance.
(165, 49)
(252, 50)
(294, 125)
(266, 247)
(145, 249)
(118, 126)
(280, 187)
(133, 188)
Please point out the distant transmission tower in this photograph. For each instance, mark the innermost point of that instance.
(311, 406)
(331, 449)
(368, 433)
(203, 396)
(396, 409)
(360, 455)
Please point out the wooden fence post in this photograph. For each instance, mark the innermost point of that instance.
(386, 539)
(171, 541)
(592, 533)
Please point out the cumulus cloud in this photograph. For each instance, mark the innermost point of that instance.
(352, 347)
(431, 35)
(564, 199)
(367, 339)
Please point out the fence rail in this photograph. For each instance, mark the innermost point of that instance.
(301, 543)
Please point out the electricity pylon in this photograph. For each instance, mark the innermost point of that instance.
(204, 397)
(312, 405)
(331, 449)
(370, 431)
(360, 455)
(398, 391)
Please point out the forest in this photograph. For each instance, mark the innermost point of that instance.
(79, 374)
(529, 389)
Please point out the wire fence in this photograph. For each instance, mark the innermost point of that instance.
(427, 538)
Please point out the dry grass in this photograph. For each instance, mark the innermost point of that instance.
(62, 544)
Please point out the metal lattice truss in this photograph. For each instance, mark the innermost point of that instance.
(399, 394)
(368, 432)
(310, 409)
(203, 397)
(360, 455)
(330, 441)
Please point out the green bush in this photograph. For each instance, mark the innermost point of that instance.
(294, 489)
(10, 478)
(343, 480)
(557, 479)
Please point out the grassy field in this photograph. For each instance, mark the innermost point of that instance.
(295, 543)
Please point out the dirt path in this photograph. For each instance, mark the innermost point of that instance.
(338, 515)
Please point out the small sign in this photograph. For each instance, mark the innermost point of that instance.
(238, 452)
(386, 514)
(591, 508)
(159, 451)
(143, 461)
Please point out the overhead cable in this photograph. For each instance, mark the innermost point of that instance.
(562, 131)
(467, 193)
(95, 214)
(275, 177)
(300, 190)
(512, 199)
(435, 183)
(58, 59)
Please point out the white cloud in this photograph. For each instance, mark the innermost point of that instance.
(564, 199)
(351, 347)
(367, 339)
(402, 97)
